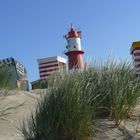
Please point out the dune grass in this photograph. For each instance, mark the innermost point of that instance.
(5, 78)
(63, 114)
(77, 99)
(118, 88)
(4, 90)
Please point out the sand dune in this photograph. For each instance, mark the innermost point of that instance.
(22, 103)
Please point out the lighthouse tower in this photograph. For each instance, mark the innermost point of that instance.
(74, 49)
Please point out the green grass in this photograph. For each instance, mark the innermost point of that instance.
(76, 100)
(5, 78)
(63, 114)
(5, 86)
(119, 89)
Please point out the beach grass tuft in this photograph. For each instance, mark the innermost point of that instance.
(75, 100)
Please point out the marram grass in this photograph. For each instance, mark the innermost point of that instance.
(5, 78)
(4, 90)
(76, 100)
(63, 114)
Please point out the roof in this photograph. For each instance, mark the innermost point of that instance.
(53, 58)
(134, 46)
(9, 60)
(37, 81)
(73, 33)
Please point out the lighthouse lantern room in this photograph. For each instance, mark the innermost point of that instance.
(74, 49)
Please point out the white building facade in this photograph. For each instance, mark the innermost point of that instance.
(50, 65)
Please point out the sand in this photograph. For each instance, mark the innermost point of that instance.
(22, 103)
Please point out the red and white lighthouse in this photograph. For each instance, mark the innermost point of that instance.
(74, 49)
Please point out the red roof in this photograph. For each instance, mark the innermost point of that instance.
(73, 33)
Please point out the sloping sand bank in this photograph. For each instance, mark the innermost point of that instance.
(20, 104)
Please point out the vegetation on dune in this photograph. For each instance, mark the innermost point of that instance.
(4, 87)
(76, 100)
(63, 114)
(118, 89)
(5, 77)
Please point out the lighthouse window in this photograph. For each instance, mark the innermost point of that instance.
(74, 46)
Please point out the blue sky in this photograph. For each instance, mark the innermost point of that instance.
(31, 29)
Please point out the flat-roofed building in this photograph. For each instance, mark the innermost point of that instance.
(47, 67)
(50, 65)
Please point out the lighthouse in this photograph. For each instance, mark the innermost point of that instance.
(74, 50)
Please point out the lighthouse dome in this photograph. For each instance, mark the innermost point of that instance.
(73, 33)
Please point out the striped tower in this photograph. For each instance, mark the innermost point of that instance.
(135, 52)
(50, 65)
(74, 49)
